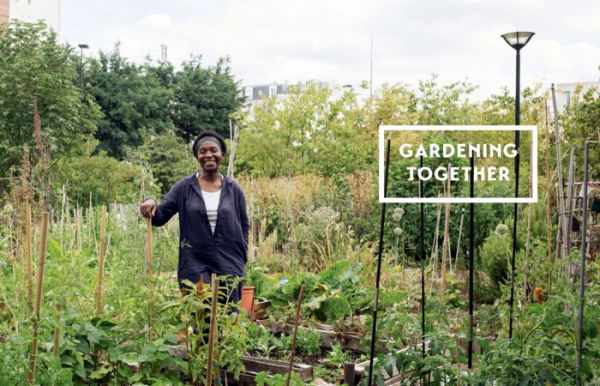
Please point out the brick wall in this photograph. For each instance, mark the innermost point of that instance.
(4, 11)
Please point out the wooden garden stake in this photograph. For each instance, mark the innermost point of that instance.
(55, 346)
(561, 218)
(101, 260)
(289, 374)
(213, 327)
(561, 197)
(570, 194)
(434, 249)
(349, 374)
(150, 274)
(38, 299)
(446, 245)
(78, 212)
(462, 215)
(28, 256)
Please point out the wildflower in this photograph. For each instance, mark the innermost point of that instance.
(501, 229)
(399, 211)
(397, 216)
(398, 231)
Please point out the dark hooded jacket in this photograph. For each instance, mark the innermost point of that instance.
(200, 251)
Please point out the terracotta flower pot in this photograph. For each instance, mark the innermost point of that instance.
(247, 298)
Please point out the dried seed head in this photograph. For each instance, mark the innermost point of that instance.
(501, 229)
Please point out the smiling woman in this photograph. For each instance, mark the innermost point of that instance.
(212, 218)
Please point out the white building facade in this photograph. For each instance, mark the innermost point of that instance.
(31, 11)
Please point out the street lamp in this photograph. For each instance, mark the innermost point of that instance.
(516, 40)
(82, 47)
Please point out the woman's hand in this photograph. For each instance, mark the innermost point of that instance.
(148, 208)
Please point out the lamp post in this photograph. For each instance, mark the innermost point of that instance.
(82, 47)
(516, 40)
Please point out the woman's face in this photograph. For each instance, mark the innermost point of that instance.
(210, 156)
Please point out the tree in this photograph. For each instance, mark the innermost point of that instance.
(34, 67)
(134, 99)
(167, 167)
(581, 122)
(204, 98)
(310, 132)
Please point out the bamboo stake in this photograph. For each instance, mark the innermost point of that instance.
(28, 257)
(561, 197)
(38, 298)
(78, 215)
(571, 194)
(213, 327)
(434, 248)
(90, 224)
(150, 274)
(101, 260)
(62, 215)
(289, 374)
(11, 254)
(548, 207)
(55, 346)
(446, 245)
(434, 244)
(462, 215)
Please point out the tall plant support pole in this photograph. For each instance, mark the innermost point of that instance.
(38, 299)
(234, 134)
(422, 256)
(434, 248)
(446, 246)
(582, 262)
(101, 260)
(471, 260)
(78, 216)
(150, 273)
(548, 208)
(378, 277)
(562, 223)
(28, 257)
(296, 321)
(56, 334)
(515, 211)
(213, 327)
(571, 194)
(462, 215)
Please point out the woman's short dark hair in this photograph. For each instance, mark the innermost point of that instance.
(209, 133)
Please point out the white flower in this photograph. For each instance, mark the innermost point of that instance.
(501, 229)
(398, 231)
(399, 210)
(397, 216)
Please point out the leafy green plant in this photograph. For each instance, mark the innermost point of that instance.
(308, 341)
(264, 379)
(337, 356)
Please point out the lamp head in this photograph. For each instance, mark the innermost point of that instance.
(83, 46)
(519, 39)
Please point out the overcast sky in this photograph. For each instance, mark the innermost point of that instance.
(279, 40)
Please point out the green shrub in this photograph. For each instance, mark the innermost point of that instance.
(495, 258)
(107, 179)
(308, 341)
(167, 157)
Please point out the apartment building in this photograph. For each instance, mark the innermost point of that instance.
(32, 11)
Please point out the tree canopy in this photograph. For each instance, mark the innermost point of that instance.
(135, 102)
(35, 67)
(204, 97)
